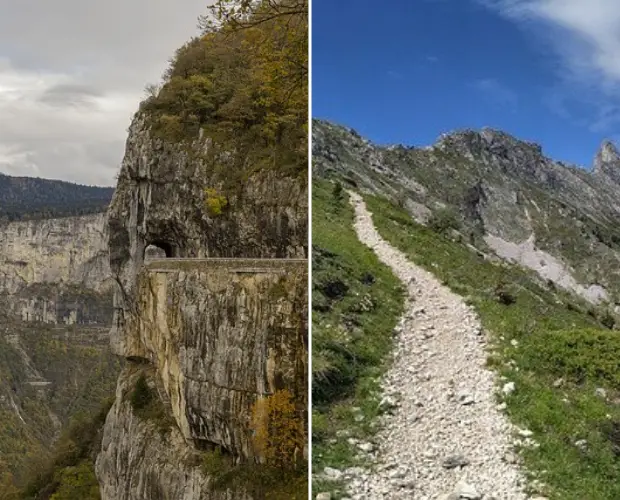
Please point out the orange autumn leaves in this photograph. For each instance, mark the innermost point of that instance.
(278, 428)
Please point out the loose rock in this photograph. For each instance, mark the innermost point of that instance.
(467, 491)
(455, 461)
(508, 388)
(427, 426)
(332, 473)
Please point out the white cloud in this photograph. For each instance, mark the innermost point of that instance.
(497, 93)
(71, 75)
(585, 36)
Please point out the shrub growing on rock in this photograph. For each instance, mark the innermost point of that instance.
(215, 463)
(503, 295)
(442, 221)
(141, 395)
(278, 430)
(337, 192)
(608, 320)
(215, 202)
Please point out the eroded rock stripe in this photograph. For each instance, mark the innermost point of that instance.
(447, 438)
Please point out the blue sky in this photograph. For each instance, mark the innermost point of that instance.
(405, 71)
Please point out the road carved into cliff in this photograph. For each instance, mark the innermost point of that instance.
(446, 438)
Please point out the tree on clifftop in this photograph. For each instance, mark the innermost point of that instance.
(247, 13)
(245, 83)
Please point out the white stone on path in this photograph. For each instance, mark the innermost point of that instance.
(469, 426)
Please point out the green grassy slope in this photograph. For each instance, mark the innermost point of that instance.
(552, 346)
(356, 304)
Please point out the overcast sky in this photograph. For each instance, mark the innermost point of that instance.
(72, 73)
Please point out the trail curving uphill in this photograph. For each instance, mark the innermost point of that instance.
(447, 439)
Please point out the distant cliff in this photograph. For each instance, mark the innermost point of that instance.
(56, 270)
(55, 313)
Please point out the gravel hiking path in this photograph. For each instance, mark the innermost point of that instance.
(446, 437)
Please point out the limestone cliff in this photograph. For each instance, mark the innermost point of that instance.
(212, 335)
(49, 266)
(55, 313)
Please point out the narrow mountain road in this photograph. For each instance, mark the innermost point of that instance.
(446, 439)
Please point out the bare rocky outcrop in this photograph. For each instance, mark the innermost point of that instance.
(446, 438)
(500, 189)
(219, 324)
(140, 461)
(607, 162)
(160, 200)
(45, 263)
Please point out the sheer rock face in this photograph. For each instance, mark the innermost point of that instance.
(218, 334)
(139, 461)
(70, 249)
(41, 259)
(160, 200)
(221, 334)
(607, 162)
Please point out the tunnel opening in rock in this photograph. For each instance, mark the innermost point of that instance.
(158, 250)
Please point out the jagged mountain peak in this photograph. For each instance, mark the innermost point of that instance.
(607, 159)
(488, 138)
(501, 186)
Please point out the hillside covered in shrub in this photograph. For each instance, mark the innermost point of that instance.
(24, 198)
(244, 84)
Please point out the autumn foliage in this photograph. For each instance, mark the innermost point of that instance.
(278, 430)
(214, 201)
(244, 83)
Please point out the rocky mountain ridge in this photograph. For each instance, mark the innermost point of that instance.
(503, 195)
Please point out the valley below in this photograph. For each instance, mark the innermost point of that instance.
(56, 365)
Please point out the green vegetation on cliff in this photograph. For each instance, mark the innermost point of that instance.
(244, 83)
(49, 376)
(565, 361)
(147, 405)
(69, 474)
(356, 302)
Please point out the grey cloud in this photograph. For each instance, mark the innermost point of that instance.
(70, 94)
(71, 75)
